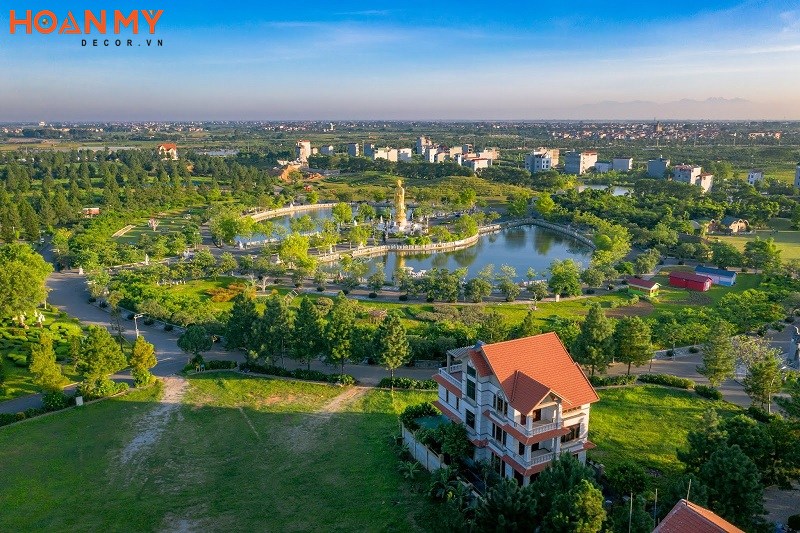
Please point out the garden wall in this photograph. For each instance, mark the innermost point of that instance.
(421, 453)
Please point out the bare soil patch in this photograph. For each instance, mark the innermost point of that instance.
(639, 309)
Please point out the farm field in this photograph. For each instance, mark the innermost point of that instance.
(237, 454)
(647, 423)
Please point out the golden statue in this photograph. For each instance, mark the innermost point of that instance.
(400, 204)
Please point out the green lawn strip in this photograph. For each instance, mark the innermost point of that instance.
(787, 241)
(647, 424)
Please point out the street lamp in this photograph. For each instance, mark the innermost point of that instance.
(136, 324)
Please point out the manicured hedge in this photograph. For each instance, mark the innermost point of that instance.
(300, 373)
(606, 381)
(220, 364)
(668, 380)
(708, 392)
(408, 383)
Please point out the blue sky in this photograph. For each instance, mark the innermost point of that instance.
(413, 60)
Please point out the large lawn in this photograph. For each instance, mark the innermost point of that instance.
(239, 454)
(787, 240)
(647, 424)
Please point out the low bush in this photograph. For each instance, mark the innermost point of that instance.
(794, 522)
(55, 401)
(373, 295)
(320, 289)
(668, 380)
(300, 373)
(606, 381)
(412, 412)
(100, 389)
(18, 359)
(708, 392)
(761, 415)
(694, 349)
(168, 327)
(103, 304)
(408, 383)
(220, 364)
(670, 353)
(403, 297)
(92, 299)
(149, 321)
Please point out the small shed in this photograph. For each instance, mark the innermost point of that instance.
(688, 280)
(719, 276)
(643, 287)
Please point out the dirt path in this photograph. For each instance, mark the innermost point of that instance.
(152, 424)
(304, 433)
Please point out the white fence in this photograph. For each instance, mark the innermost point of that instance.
(272, 213)
(421, 453)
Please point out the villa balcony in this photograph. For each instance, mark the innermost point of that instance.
(452, 374)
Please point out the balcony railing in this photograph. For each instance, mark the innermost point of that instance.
(536, 428)
(542, 458)
(449, 377)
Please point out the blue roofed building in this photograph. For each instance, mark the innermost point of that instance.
(719, 276)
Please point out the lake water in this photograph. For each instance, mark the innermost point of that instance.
(616, 190)
(521, 247)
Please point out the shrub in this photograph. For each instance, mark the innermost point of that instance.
(627, 477)
(345, 291)
(92, 299)
(694, 349)
(794, 522)
(100, 389)
(373, 295)
(55, 401)
(320, 289)
(149, 321)
(300, 373)
(708, 392)
(168, 327)
(606, 381)
(403, 297)
(408, 383)
(412, 412)
(589, 291)
(220, 364)
(668, 380)
(759, 414)
(129, 316)
(103, 304)
(670, 353)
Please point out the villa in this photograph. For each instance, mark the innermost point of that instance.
(688, 517)
(168, 151)
(523, 402)
(643, 287)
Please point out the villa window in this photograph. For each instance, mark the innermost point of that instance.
(498, 434)
(446, 396)
(471, 371)
(574, 433)
(537, 415)
(523, 420)
(470, 389)
(521, 449)
(500, 405)
(469, 418)
(536, 446)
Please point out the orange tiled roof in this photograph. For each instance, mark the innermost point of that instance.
(526, 367)
(168, 146)
(687, 517)
(480, 364)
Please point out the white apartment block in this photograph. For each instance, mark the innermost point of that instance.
(423, 143)
(327, 150)
(602, 167)
(476, 163)
(754, 176)
(579, 163)
(302, 150)
(405, 154)
(693, 175)
(622, 164)
(489, 153)
(541, 160)
(389, 154)
(353, 150)
(430, 154)
(523, 402)
(369, 149)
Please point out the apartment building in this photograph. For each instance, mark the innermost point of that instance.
(523, 402)
(302, 150)
(353, 149)
(657, 168)
(797, 176)
(541, 160)
(622, 164)
(327, 150)
(754, 176)
(579, 163)
(405, 154)
(693, 175)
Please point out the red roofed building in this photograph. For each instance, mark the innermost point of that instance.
(644, 287)
(687, 517)
(687, 280)
(524, 402)
(168, 151)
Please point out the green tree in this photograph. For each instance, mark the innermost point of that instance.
(293, 251)
(517, 206)
(195, 340)
(726, 255)
(791, 403)
(227, 263)
(492, 328)
(578, 511)
(273, 330)
(476, 289)
(378, 278)
(308, 341)
(646, 262)
(143, 358)
(764, 379)
(545, 204)
(677, 489)
(593, 277)
(719, 360)
(99, 355)
(30, 221)
(526, 328)
(342, 213)
(703, 441)
(392, 344)
(632, 517)
(339, 329)
(762, 254)
(46, 372)
(632, 341)
(507, 508)
(594, 344)
(565, 277)
(22, 279)
(563, 474)
(734, 488)
(239, 328)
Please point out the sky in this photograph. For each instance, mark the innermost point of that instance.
(410, 60)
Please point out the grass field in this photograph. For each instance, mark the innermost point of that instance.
(787, 240)
(239, 454)
(647, 423)
(169, 222)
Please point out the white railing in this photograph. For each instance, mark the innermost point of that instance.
(543, 458)
(536, 428)
(446, 375)
(454, 368)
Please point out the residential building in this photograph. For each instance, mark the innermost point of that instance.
(688, 517)
(353, 150)
(369, 149)
(687, 280)
(601, 167)
(405, 154)
(476, 163)
(489, 153)
(755, 176)
(541, 160)
(467, 149)
(719, 276)
(643, 287)
(327, 150)
(430, 153)
(622, 164)
(693, 175)
(90, 212)
(389, 154)
(302, 150)
(657, 168)
(523, 402)
(168, 151)
(422, 144)
(797, 176)
(440, 157)
(579, 162)
(730, 224)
